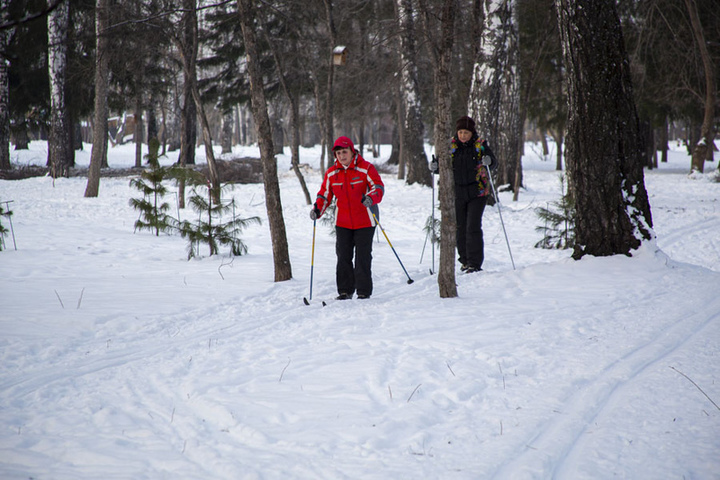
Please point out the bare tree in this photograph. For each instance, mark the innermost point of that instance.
(4, 90)
(281, 257)
(60, 149)
(292, 97)
(604, 153)
(440, 38)
(328, 110)
(412, 130)
(98, 156)
(707, 133)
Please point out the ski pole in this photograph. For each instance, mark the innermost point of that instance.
(410, 280)
(497, 200)
(312, 265)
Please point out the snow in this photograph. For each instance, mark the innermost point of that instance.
(121, 359)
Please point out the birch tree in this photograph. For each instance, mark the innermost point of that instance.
(495, 89)
(60, 149)
(412, 130)
(604, 151)
(98, 156)
(281, 256)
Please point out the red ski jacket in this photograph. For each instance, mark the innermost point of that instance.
(348, 186)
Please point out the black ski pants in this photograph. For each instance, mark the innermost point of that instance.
(469, 235)
(350, 278)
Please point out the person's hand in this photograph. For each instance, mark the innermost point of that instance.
(488, 157)
(367, 201)
(314, 213)
(434, 167)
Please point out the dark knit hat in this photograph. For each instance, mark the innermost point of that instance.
(465, 123)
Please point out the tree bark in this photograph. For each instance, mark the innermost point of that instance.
(227, 131)
(4, 90)
(441, 47)
(281, 257)
(707, 134)
(329, 113)
(494, 100)
(98, 156)
(604, 152)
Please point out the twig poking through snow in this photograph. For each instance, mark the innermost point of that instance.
(413, 392)
(283, 371)
(80, 299)
(697, 386)
(450, 368)
(60, 299)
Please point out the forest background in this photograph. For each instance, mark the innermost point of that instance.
(613, 80)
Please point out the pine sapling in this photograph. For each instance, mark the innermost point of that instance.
(152, 208)
(4, 212)
(209, 228)
(559, 222)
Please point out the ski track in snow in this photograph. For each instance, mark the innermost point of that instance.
(553, 451)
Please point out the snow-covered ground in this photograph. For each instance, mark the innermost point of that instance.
(121, 359)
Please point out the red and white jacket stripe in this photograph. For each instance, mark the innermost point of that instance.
(348, 186)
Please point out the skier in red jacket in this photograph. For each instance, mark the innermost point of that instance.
(357, 188)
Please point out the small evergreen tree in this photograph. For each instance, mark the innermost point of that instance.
(4, 212)
(209, 228)
(559, 229)
(152, 208)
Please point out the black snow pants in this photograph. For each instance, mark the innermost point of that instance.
(350, 278)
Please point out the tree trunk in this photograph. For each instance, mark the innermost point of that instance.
(60, 152)
(188, 122)
(227, 130)
(4, 91)
(707, 134)
(139, 130)
(604, 152)
(442, 58)
(664, 141)
(558, 138)
(494, 91)
(412, 141)
(281, 257)
(294, 121)
(98, 156)
(329, 113)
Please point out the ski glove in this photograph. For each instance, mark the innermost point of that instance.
(434, 167)
(314, 213)
(367, 201)
(488, 157)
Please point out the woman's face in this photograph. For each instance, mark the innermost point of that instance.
(344, 155)
(464, 135)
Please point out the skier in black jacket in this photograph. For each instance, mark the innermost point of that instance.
(471, 159)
